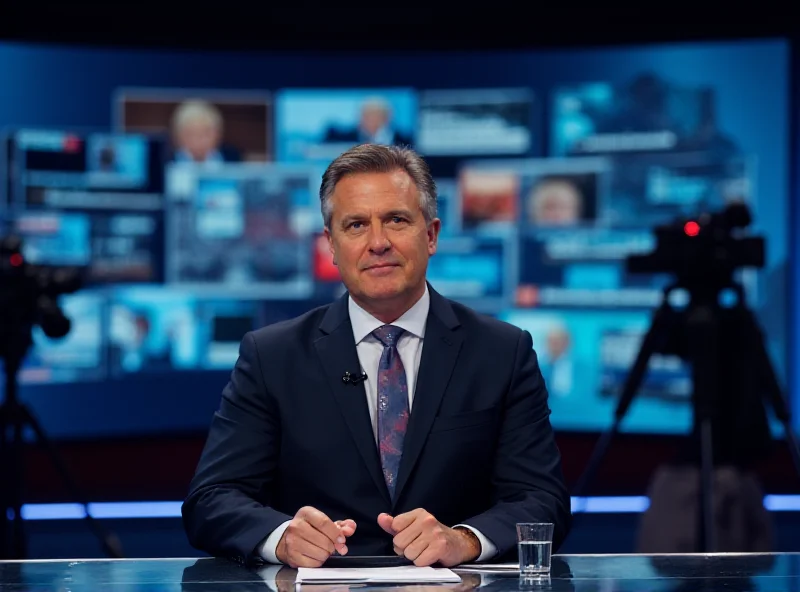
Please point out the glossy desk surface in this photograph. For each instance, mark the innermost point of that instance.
(600, 573)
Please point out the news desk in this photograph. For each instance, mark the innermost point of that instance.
(598, 573)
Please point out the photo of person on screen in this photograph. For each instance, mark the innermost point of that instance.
(131, 349)
(210, 126)
(488, 197)
(374, 127)
(557, 363)
(107, 159)
(197, 128)
(555, 201)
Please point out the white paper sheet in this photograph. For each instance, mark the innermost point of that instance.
(376, 575)
(489, 567)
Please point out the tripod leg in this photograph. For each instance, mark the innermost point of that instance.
(768, 381)
(659, 330)
(5, 502)
(17, 479)
(110, 543)
(706, 537)
(12, 545)
(703, 331)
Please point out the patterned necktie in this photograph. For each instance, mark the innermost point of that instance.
(392, 403)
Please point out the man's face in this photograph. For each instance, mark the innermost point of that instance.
(373, 119)
(199, 137)
(380, 239)
(557, 343)
(557, 203)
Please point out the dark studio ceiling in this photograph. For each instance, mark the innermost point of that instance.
(409, 24)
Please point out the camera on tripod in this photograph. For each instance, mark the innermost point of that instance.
(733, 380)
(703, 251)
(28, 297)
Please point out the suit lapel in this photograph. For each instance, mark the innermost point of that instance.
(337, 352)
(439, 354)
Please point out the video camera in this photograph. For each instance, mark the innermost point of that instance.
(703, 251)
(28, 297)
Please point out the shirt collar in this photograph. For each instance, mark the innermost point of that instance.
(413, 320)
(213, 157)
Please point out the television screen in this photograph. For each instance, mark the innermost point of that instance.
(88, 199)
(476, 122)
(77, 357)
(186, 186)
(209, 126)
(88, 170)
(241, 228)
(585, 357)
(648, 112)
(317, 125)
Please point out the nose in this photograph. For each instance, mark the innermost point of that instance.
(378, 241)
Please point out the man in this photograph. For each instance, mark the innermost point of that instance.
(374, 126)
(555, 202)
(307, 456)
(197, 128)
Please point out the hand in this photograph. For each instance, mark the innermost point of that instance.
(424, 540)
(312, 537)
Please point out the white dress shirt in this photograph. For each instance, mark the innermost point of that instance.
(214, 157)
(370, 349)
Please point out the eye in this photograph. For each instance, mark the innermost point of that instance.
(355, 225)
(397, 219)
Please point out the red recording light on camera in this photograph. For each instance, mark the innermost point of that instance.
(16, 260)
(691, 228)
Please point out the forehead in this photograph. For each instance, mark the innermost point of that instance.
(557, 191)
(375, 190)
(197, 119)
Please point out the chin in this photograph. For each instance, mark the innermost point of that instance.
(385, 289)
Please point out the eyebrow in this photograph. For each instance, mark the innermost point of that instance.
(390, 214)
(401, 213)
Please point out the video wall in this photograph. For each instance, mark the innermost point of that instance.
(185, 186)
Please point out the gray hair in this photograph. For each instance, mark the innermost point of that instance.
(376, 158)
(194, 110)
(377, 104)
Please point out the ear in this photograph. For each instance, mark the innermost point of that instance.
(434, 226)
(329, 236)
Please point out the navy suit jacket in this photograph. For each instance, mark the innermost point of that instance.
(479, 448)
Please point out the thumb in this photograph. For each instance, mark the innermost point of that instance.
(385, 522)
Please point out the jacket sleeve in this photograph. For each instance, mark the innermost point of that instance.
(527, 481)
(227, 512)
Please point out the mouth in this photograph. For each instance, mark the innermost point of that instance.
(383, 269)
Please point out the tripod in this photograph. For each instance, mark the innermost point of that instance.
(14, 418)
(731, 371)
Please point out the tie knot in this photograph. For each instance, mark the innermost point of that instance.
(388, 335)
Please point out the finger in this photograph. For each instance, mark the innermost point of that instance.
(385, 522)
(347, 527)
(405, 537)
(301, 546)
(428, 557)
(303, 560)
(311, 551)
(312, 536)
(416, 548)
(403, 521)
(324, 525)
